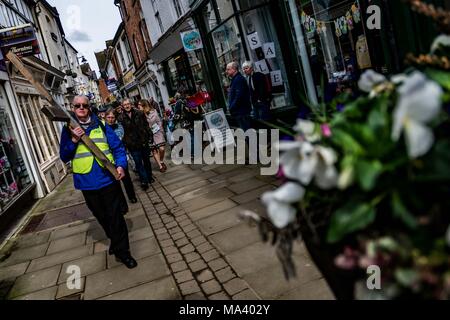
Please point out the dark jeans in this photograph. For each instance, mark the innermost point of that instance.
(107, 205)
(143, 166)
(243, 121)
(261, 111)
(128, 184)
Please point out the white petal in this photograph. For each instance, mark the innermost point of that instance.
(289, 193)
(326, 177)
(327, 155)
(281, 214)
(399, 78)
(399, 119)
(288, 145)
(290, 162)
(419, 139)
(308, 164)
(306, 127)
(421, 97)
(442, 40)
(370, 79)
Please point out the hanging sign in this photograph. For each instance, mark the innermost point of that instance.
(254, 41)
(262, 67)
(21, 40)
(277, 78)
(269, 50)
(192, 40)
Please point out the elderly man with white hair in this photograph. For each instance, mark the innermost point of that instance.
(239, 102)
(260, 91)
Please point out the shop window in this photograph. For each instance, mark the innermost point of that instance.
(265, 52)
(225, 9)
(210, 16)
(14, 176)
(336, 43)
(228, 47)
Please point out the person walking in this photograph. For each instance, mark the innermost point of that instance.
(239, 97)
(111, 120)
(101, 190)
(137, 138)
(156, 125)
(260, 91)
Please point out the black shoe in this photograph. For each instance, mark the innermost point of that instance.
(144, 186)
(152, 180)
(134, 200)
(129, 262)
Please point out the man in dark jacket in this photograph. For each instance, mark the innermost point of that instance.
(260, 91)
(102, 192)
(137, 139)
(239, 102)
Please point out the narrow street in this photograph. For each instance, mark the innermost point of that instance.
(184, 232)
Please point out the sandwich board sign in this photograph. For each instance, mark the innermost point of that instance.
(219, 129)
(20, 40)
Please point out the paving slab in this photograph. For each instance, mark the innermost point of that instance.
(23, 255)
(13, 271)
(139, 250)
(161, 289)
(120, 278)
(235, 238)
(207, 200)
(88, 265)
(35, 281)
(314, 290)
(220, 221)
(42, 295)
(70, 242)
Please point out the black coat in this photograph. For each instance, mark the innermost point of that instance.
(137, 130)
(261, 88)
(239, 96)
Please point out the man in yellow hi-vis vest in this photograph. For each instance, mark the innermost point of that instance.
(102, 192)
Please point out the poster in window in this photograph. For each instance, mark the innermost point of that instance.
(277, 78)
(192, 40)
(262, 67)
(254, 41)
(269, 50)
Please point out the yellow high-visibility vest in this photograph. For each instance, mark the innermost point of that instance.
(84, 160)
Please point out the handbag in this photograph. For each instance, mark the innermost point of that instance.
(155, 128)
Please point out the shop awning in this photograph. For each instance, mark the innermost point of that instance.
(170, 42)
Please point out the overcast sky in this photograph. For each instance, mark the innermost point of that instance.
(88, 24)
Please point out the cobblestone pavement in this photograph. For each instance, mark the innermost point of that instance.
(185, 233)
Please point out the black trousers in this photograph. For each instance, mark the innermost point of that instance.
(107, 205)
(128, 184)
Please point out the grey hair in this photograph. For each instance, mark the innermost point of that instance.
(234, 65)
(82, 97)
(247, 64)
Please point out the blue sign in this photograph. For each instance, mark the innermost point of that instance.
(192, 40)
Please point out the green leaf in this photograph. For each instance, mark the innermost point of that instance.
(441, 77)
(352, 217)
(368, 173)
(406, 277)
(347, 142)
(400, 211)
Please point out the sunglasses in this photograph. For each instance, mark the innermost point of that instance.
(79, 106)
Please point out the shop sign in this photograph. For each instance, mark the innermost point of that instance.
(277, 78)
(269, 50)
(262, 67)
(128, 78)
(220, 133)
(254, 41)
(21, 40)
(192, 40)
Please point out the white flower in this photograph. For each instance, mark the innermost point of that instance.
(369, 80)
(303, 162)
(279, 203)
(419, 103)
(308, 129)
(441, 41)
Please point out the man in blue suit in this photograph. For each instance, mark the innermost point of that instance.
(101, 190)
(239, 102)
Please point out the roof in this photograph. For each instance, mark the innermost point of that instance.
(67, 41)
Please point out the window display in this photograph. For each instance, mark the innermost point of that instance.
(14, 177)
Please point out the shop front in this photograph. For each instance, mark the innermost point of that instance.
(241, 30)
(15, 179)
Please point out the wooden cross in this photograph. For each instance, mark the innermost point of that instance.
(57, 113)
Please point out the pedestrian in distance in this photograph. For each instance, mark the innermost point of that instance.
(101, 190)
(137, 138)
(239, 103)
(111, 120)
(260, 91)
(156, 125)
